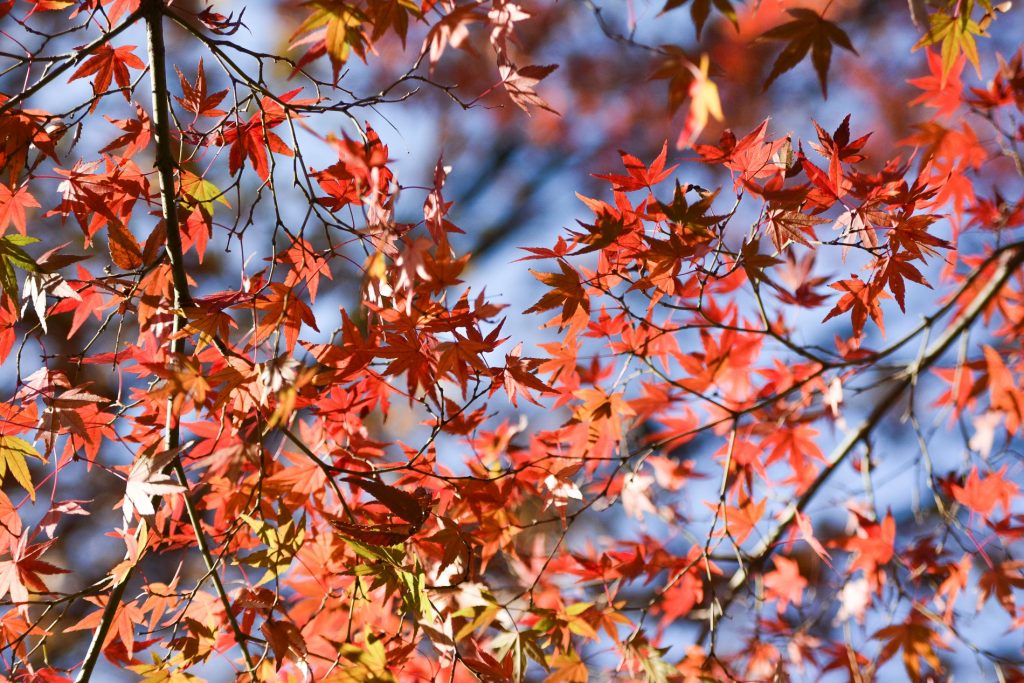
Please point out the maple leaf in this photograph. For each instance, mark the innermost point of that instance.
(8, 318)
(677, 68)
(1001, 90)
(126, 617)
(896, 269)
(799, 288)
(519, 377)
(368, 660)
(640, 176)
(917, 641)
(983, 494)
(873, 547)
(413, 508)
(13, 206)
(942, 90)
(109, 63)
(785, 225)
(520, 82)
(568, 668)
(567, 293)
(453, 30)
(13, 256)
(520, 646)
(754, 262)
(862, 300)
(285, 640)
(704, 104)
(1001, 582)
(561, 490)
(24, 129)
(282, 543)
(202, 192)
(750, 158)
(808, 31)
(196, 98)
(38, 286)
(119, 8)
(392, 15)
(334, 28)
(806, 530)
(679, 600)
(136, 137)
(220, 24)
(1004, 391)
(700, 9)
(838, 148)
(23, 571)
(798, 445)
(14, 452)
(125, 250)
(956, 32)
(600, 408)
(742, 520)
(91, 302)
(251, 140)
(785, 584)
(147, 479)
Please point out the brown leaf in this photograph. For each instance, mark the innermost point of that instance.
(410, 507)
(124, 248)
(807, 32)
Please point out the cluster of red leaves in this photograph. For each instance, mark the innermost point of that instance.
(453, 550)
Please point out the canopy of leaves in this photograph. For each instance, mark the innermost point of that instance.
(283, 399)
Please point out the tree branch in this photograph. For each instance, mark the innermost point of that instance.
(165, 166)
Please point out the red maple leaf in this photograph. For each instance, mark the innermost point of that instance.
(640, 176)
(873, 547)
(983, 494)
(862, 300)
(13, 206)
(196, 98)
(109, 63)
(785, 584)
(22, 572)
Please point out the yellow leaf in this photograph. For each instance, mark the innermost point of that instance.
(201, 191)
(13, 452)
(283, 542)
(704, 104)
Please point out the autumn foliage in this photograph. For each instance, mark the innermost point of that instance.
(340, 343)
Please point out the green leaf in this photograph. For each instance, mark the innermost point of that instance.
(414, 593)
(956, 34)
(13, 256)
(391, 555)
(202, 192)
(282, 541)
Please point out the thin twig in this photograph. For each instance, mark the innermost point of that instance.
(71, 59)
